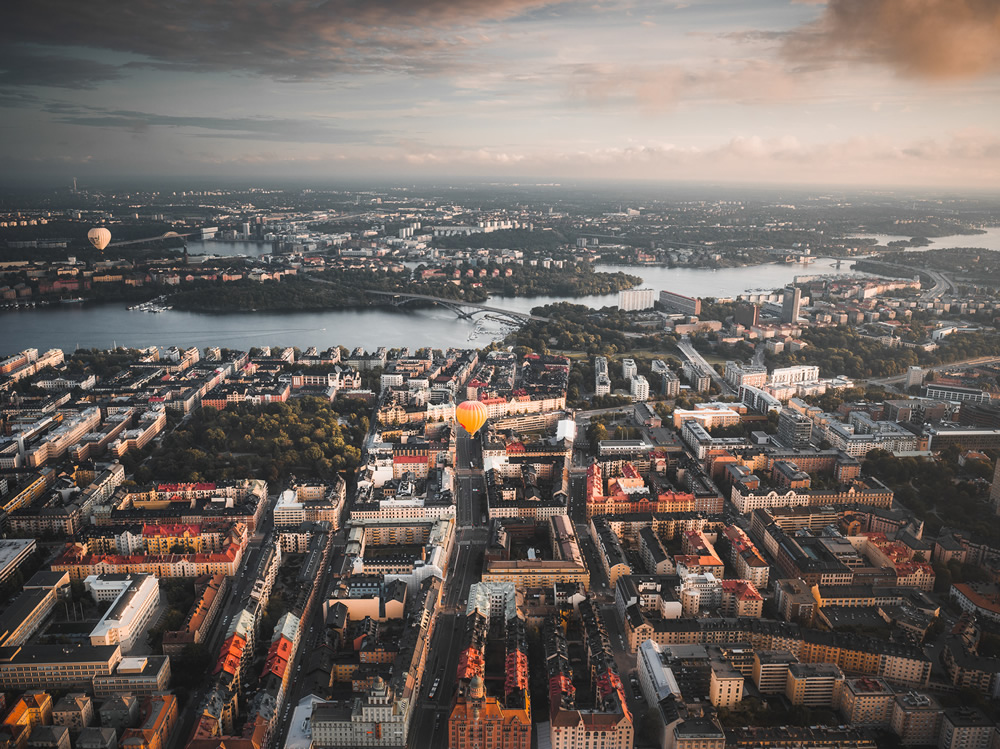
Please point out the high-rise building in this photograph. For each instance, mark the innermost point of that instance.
(995, 489)
(680, 303)
(670, 384)
(640, 389)
(602, 381)
(914, 377)
(746, 314)
(791, 304)
(631, 300)
(794, 429)
(629, 369)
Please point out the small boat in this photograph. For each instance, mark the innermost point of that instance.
(77, 300)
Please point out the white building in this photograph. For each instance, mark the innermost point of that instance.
(631, 300)
(739, 375)
(794, 375)
(640, 389)
(494, 600)
(629, 369)
(656, 680)
(133, 597)
(289, 511)
(602, 381)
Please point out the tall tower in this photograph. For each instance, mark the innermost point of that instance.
(791, 304)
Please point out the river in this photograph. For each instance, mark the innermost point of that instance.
(988, 241)
(68, 326)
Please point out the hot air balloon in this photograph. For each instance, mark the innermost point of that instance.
(471, 415)
(99, 237)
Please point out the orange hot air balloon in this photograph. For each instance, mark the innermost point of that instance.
(471, 415)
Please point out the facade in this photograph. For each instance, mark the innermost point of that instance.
(631, 300)
(738, 375)
(965, 728)
(75, 711)
(725, 686)
(995, 489)
(813, 684)
(770, 670)
(794, 429)
(791, 304)
(377, 719)
(159, 714)
(639, 387)
(866, 701)
(481, 721)
(526, 573)
(916, 718)
(133, 600)
(602, 380)
(680, 303)
(13, 553)
(56, 666)
(138, 675)
(572, 729)
(954, 394)
(22, 617)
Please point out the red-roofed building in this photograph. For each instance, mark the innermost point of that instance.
(79, 564)
(740, 598)
(418, 465)
(628, 493)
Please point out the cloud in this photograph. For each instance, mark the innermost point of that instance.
(660, 87)
(916, 38)
(238, 128)
(22, 66)
(281, 39)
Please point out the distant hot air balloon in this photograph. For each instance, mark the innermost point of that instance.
(99, 237)
(471, 415)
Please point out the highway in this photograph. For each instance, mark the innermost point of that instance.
(696, 358)
(942, 284)
(963, 364)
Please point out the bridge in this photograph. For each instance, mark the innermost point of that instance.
(465, 310)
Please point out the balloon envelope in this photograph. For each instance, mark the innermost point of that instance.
(471, 415)
(99, 237)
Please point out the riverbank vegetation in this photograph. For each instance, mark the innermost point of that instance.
(575, 327)
(347, 288)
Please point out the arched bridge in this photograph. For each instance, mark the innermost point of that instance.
(465, 310)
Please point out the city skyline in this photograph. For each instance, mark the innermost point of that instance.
(886, 92)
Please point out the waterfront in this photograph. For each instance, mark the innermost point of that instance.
(988, 241)
(102, 326)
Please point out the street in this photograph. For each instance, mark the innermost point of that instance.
(429, 723)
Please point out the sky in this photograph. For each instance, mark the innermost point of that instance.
(841, 92)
